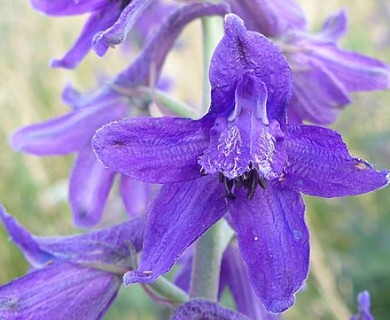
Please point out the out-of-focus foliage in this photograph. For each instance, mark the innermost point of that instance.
(350, 236)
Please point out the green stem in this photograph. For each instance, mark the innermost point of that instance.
(169, 291)
(207, 265)
(212, 31)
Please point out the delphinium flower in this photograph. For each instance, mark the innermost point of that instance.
(74, 277)
(108, 24)
(364, 305)
(242, 158)
(324, 74)
(90, 182)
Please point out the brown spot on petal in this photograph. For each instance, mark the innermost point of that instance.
(361, 166)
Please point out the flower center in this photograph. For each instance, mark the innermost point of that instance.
(249, 180)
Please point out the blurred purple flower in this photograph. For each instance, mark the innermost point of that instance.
(108, 24)
(363, 307)
(75, 277)
(202, 309)
(90, 181)
(244, 138)
(324, 74)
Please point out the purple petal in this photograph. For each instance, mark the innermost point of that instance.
(317, 95)
(205, 309)
(90, 184)
(355, 71)
(274, 243)
(136, 195)
(335, 27)
(246, 140)
(241, 51)
(118, 31)
(68, 133)
(179, 215)
(98, 21)
(59, 291)
(66, 7)
(156, 50)
(271, 18)
(109, 246)
(364, 307)
(156, 150)
(235, 276)
(320, 165)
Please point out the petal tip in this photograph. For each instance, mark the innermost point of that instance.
(138, 276)
(279, 305)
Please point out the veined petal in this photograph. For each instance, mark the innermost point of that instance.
(136, 195)
(274, 243)
(317, 95)
(66, 7)
(118, 31)
(59, 291)
(90, 184)
(109, 246)
(156, 50)
(320, 165)
(234, 275)
(178, 216)
(98, 21)
(355, 71)
(155, 150)
(239, 52)
(271, 18)
(68, 133)
(197, 309)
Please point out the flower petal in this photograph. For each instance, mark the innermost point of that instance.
(205, 309)
(317, 95)
(320, 165)
(136, 195)
(363, 307)
(274, 243)
(335, 27)
(118, 31)
(235, 276)
(90, 184)
(68, 133)
(179, 215)
(59, 291)
(271, 18)
(241, 51)
(162, 41)
(98, 21)
(66, 7)
(156, 150)
(109, 246)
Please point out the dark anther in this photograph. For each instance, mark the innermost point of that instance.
(249, 180)
(203, 172)
(263, 182)
(124, 4)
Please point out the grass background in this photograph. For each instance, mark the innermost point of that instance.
(350, 236)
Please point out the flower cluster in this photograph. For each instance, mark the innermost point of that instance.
(245, 162)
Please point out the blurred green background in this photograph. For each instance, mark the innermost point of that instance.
(350, 236)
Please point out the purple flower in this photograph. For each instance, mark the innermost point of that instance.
(324, 74)
(74, 277)
(108, 23)
(364, 307)
(198, 309)
(91, 182)
(241, 157)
